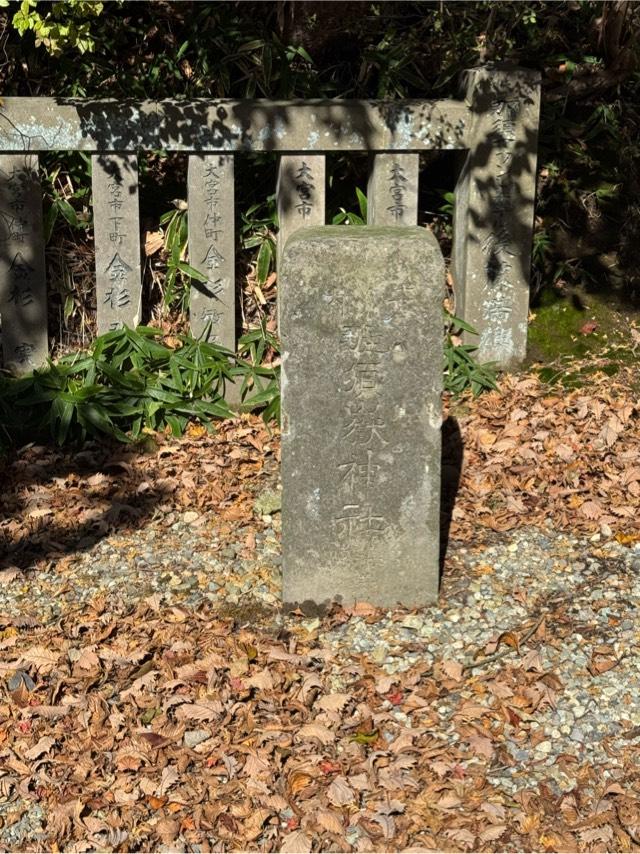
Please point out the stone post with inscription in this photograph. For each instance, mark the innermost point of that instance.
(493, 219)
(300, 194)
(23, 290)
(212, 247)
(392, 192)
(361, 327)
(212, 251)
(117, 238)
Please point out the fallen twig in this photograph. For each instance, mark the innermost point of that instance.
(498, 655)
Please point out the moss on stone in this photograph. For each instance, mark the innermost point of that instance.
(555, 328)
(561, 353)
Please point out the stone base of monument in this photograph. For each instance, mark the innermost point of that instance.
(232, 395)
(361, 329)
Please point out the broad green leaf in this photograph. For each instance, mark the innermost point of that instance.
(362, 201)
(67, 211)
(264, 262)
(49, 221)
(188, 270)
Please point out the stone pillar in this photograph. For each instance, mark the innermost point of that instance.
(300, 194)
(493, 219)
(212, 305)
(23, 290)
(392, 193)
(212, 251)
(117, 238)
(361, 326)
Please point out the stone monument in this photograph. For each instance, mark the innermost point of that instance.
(361, 327)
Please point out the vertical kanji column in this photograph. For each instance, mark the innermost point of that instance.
(212, 304)
(493, 220)
(117, 238)
(392, 192)
(300, 194)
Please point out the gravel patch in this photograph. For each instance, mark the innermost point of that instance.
(590, 592)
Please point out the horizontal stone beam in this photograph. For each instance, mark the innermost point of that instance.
(59, 124)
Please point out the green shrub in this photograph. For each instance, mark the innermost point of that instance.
(129, 381)
(461, 370)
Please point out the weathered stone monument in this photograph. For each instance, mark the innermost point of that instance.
(361, 328)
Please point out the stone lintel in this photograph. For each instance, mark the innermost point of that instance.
(53, 124)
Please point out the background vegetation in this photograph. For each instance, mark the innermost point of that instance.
(588, 210)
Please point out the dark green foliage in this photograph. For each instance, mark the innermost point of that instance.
(130, 381)
(258, 228)
(179, 273)
(461, 370)
(260, 380)
(351, 218)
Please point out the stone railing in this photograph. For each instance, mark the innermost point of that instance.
(494, 127)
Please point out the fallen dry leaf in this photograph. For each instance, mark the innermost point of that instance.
(340, 793)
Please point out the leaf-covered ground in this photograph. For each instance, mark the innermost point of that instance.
(155, 714)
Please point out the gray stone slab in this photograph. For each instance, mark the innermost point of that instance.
(53, 124)
(361, 327)
(212, 306)
(23, 290)
(117, 239)
(392, 192)
(212, 248)
(300, 194)
(493, 220)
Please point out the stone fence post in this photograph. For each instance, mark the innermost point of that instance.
(493, 219)
(392, 191)
(23, 289)
(114, 179)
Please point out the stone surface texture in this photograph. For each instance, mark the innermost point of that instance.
(392, 192)
(117, 236)
(361, 396)
(493, 219)
(45, 124)
(23, 291)
(300, 194)
(212, 247)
